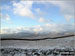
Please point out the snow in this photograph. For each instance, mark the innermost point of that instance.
(39, 47)
(42, 44)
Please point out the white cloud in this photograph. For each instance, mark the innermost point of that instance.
(66, 7)
(9, 30)
(47, 28)
(52, 27)
(23, 8)
(5, 30)
(5, 7)
(5, 17)
(42, 20)
(37, 10)
(37, 29)
(68, 17)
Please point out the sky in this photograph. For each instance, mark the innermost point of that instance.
(37, 16)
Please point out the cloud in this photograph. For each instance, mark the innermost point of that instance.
(5, 7)
(60, 27)
(42, 20)
(38, 29)
(68, 17)
(5, 30)
(38, 10)
(53, 28)
(5, 17)
(23, 8)
(8, 30)
(66, 7)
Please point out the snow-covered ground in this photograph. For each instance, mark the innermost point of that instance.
(45, 44)
(37, 48)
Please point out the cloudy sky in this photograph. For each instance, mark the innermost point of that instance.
(37, 16)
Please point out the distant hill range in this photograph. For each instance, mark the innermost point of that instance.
(32, 36)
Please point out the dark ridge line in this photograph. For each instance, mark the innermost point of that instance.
(37, 39)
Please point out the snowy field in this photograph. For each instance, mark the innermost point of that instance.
(45, 44)
(37, 48)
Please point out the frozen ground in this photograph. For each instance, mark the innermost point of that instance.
(45, 44)
(38, 48)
